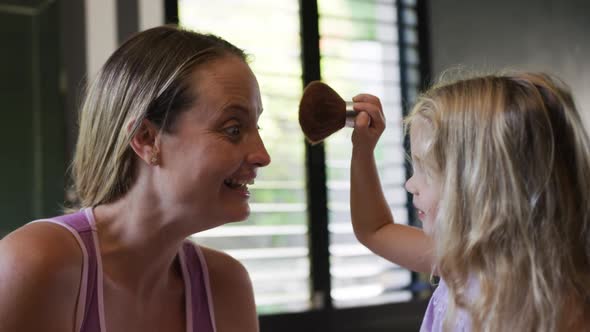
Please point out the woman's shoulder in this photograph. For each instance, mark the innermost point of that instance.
(231, 289)
(41, 245)
(40, 270)
(222, 265)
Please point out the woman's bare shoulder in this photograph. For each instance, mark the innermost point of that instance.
(220, 264)
(40, 271)
(232, 292)
(43, 239)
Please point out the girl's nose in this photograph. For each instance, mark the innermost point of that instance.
(410, 187)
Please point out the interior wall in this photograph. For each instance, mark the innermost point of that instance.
(32, 126)
(540, 35)
(50, 47)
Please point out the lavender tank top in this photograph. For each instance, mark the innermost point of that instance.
(90, 315)
(437, 309)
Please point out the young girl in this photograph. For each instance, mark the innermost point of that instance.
(501, 183)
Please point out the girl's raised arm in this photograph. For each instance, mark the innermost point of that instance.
(372, 220)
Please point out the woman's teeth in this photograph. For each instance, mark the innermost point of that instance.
(234, 183)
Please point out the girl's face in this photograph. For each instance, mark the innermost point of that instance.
(215, 149)
(423, 185)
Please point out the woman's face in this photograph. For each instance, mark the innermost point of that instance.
(214, 149)
(423, 185)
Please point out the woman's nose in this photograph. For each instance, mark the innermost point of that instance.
(259, 155)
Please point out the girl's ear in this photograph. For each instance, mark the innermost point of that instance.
(145, 141)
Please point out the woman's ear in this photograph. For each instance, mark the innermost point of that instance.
(145, 141)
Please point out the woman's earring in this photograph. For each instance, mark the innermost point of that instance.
(154, 158)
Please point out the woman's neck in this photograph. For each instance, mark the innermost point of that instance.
(575, 314)
(138, 243)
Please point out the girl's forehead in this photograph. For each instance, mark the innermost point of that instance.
(420, 136)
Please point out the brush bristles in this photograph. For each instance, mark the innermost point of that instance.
(322, 112)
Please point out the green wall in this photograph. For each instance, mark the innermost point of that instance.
(32, 162)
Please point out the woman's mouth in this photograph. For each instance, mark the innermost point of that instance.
(240, 185)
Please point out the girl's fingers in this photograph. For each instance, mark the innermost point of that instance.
(374, 112)
(369, 122)
(362, 120)
(368, 98)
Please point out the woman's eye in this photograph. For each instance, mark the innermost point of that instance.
(233, 131)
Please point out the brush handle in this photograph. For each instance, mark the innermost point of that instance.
(350, 115)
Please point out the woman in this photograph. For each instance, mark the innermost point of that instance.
(168, 144)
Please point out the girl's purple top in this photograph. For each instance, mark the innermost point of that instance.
(437, 309)
(90, 315)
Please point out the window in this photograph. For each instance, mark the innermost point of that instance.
(272, 244)
(359, 53)
(298, 243)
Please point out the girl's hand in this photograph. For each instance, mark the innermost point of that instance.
(369, 122)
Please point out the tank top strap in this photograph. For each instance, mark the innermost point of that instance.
(80, 224)
(200, 306)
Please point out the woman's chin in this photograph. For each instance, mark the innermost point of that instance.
(240, 216)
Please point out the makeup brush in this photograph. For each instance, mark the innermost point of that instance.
(323, 112)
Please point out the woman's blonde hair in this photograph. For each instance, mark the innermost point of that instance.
(514, 216)
(146, 78)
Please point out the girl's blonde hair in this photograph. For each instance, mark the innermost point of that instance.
(146, 78)
(514, 214)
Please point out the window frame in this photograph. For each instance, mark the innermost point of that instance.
(324, 317)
